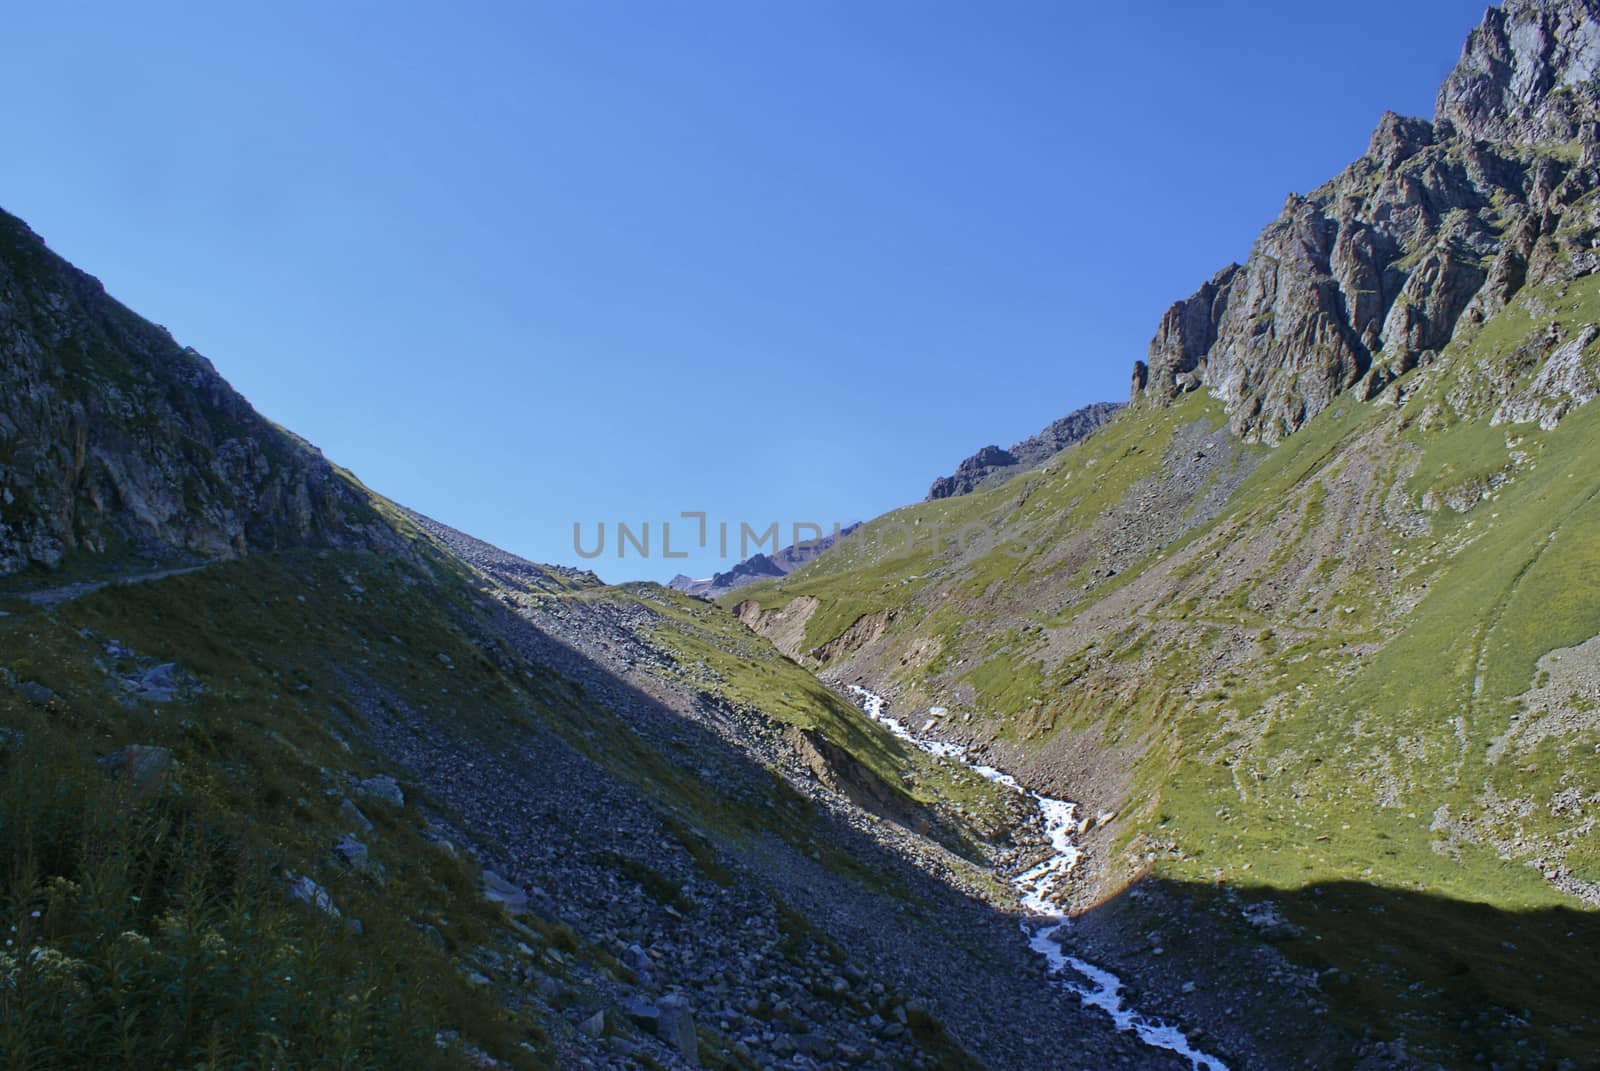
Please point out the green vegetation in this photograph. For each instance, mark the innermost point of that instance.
(152, 924)
(746, 671)
(1310, 684)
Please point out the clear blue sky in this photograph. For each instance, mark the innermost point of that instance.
(521, 265)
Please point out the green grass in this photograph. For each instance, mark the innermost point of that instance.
(747, 671)
(274, 643)
(155, 932)
(1380, 648)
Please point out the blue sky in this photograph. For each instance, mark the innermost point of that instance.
(525, 265)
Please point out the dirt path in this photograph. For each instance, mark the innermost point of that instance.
(50, 598)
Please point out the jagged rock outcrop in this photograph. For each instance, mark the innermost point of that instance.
(972, 472)
(1437, 225)
(113, 436)
(992, 465)
(1527, 73)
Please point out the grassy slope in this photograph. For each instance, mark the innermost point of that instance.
(261, 748)
(1312, 685)
(254, 749)
(747, 671)
(971, 549)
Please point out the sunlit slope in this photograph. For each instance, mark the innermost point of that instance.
(1325, 644)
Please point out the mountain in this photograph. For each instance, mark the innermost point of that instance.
(1437, 225)
(992, 465)
(1280, 683)
(1308, 626)
(759, 567)
(293, 776)
(115, 440)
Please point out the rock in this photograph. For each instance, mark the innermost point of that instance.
(1436, 225)
(1269, 922)
(595, 1025)
(1526, 75)
(385, 788)
(352, 851)
(354, 816)
(303, 890)
(497, 890)
(643, 1013)
(35, 692)
(147, 768)
(815, 1045)
(992, 465)
(676, 1028)
(639, 961)
(159, 684)
(138, 441)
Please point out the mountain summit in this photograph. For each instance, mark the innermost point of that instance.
(1436, 225)
(1527, 74)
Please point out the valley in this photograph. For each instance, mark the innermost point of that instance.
(1253, 723)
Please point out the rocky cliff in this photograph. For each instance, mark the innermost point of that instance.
(1437, 225)
(1526, 74)
(114, 439)
(992, 465)
(550, 822)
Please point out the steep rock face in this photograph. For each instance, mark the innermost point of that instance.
(114, 436)
(993, 465)
(1436, 225)
(973, 471)
(1527, 73)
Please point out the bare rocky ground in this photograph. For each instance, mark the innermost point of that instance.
(789, 955)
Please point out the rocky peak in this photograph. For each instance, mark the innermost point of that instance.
(1398, 138)
(972, 471)
(1527, 73)
(992, 465)
(1436, 225)
(114, 439)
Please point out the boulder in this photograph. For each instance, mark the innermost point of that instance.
(159, 684)
(147, 768)
(676, 1028)
(497, 890)
(353, 852)
(385, 788)
(303, 890)
(643, 1013)
(35, 692)
(354, 816)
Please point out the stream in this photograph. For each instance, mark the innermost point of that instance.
(1036, 887)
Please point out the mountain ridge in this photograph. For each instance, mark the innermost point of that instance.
(992, 465)
(1373, 272)
(1304, 634)
(1281, 620)
(759, 566)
